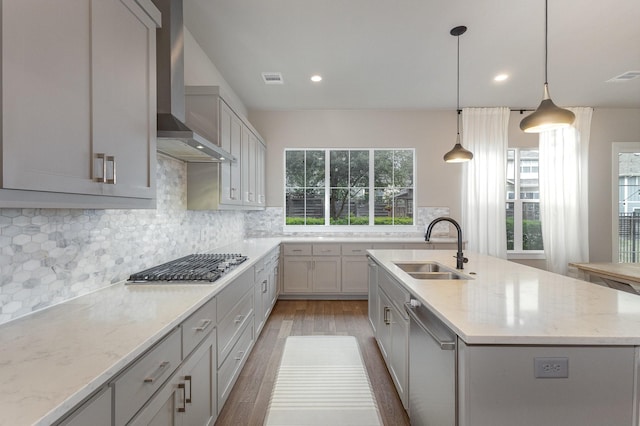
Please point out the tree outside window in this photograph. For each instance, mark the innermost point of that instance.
(334, 187)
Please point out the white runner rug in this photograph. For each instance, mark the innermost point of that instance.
(322, 380)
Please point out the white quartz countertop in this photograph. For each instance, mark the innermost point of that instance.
(508, 303)
(53, 359)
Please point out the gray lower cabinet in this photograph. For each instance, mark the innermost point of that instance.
(392, 331)
(373, 294)
(189, 397)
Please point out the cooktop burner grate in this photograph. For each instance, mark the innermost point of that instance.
(194, 267)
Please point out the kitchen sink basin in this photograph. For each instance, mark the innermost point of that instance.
(436, 275)
(430, 271)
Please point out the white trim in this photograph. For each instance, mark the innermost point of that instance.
(616, 149)
(352, 229)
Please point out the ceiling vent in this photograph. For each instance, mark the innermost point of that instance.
(272, 78)
(629, 75)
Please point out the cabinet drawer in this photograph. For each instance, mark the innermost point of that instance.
(388, 246)
(230, 326)
(260, 268)
(326, 249)
(229, 368)
(136, 385)
(355, 249)
(232, 293)
(197, 326)
(297, 250)
(95, 412)
(398, 295)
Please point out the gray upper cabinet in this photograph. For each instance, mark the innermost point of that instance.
(78, 103)
(236, 185)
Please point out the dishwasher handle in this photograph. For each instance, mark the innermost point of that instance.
(445, 345)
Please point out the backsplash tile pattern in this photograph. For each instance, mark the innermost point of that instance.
(268, 223)
(51, 255)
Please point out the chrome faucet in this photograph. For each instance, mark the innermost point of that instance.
(460, 259)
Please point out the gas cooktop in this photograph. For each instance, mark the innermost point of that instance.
(194, 267)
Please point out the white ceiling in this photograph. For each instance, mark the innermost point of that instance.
(399, 53)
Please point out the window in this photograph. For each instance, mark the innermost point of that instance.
(626, 202)
(524, 233)
(353, 187)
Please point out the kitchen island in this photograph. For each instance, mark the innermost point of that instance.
(513, 324)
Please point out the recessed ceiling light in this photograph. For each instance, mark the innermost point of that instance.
(501, 77)
(316, 78)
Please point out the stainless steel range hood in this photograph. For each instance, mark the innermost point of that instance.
(174, 137)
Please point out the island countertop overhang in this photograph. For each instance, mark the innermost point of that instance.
(511, 304)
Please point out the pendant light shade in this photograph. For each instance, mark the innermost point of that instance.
(458, 154)
(548, 116)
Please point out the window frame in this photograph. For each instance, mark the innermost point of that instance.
(371, 227)
(617, 148)
(518, 206)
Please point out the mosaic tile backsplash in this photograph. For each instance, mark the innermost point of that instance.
(51, 255)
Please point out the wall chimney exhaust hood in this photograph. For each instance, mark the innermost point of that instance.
(174, 137)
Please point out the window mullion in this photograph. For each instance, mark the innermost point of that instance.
(327, 187)
(372, 193)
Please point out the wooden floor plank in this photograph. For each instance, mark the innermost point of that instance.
(248, 402)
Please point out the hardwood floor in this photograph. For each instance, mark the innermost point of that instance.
(249, 399)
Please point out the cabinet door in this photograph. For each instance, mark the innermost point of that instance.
(245, 166)
(123, 92)
(46, 87)
(373, 295)
(231, 141)
(398, 355)
(383, 330)
(200, 386)
(297, 274)
(261, 151)
(326, 274)
(261, 300)
(254, 169)
(355, 271)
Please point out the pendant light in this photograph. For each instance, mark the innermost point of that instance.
(458, 154)
(548, 116)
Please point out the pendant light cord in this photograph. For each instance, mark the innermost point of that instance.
(546, 44)
(458, 90)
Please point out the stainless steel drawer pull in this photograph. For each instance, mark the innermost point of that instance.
(111, 159)
(264, 286)
(296, 250)
(184, 399)
(188, 400)
(385, 316)
(238, 319)
(205, 323)
(103, 178)
(240, 354)
(158, 372)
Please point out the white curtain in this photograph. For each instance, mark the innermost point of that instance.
(485, 134)
(564, 197)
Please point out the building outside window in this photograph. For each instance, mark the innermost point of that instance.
(352, 187)
(628, 208)
(524, 231)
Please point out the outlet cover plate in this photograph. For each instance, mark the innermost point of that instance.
(551, 368)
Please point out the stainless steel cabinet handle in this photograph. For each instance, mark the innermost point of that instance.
(205, 323)
(184, 399)
(264, 286)
(238, 319)
(111, 159)
(188, 400)
(103, 178)
(158, 372)
(239, 357)
(232, 195)
(385, 316)
(445, 345)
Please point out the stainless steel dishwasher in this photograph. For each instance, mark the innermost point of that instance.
(432, 368)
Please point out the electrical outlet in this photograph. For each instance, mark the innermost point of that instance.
(545, 368)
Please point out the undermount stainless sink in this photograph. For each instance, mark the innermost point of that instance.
(435, 275)
(430, 271)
